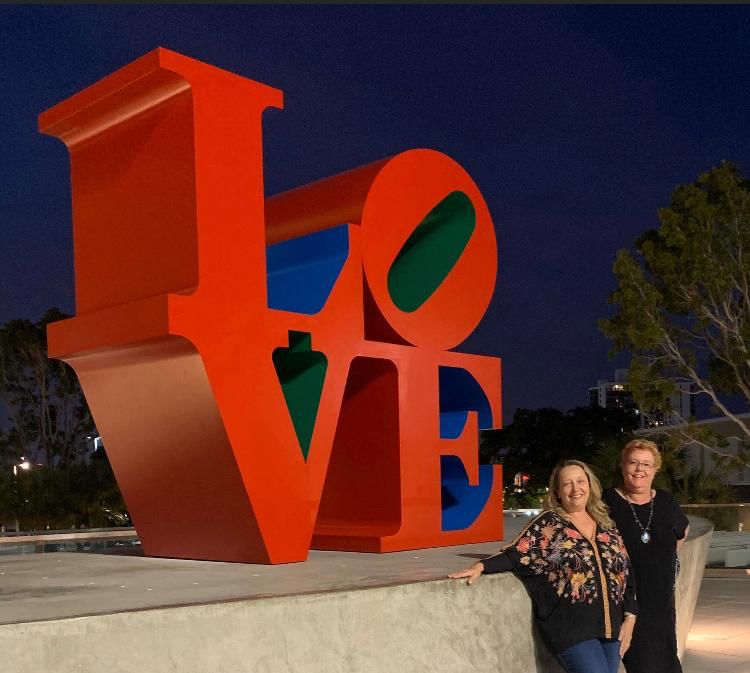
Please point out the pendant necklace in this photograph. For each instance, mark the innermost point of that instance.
(645, 535)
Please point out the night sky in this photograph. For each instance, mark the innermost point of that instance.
(576, 122)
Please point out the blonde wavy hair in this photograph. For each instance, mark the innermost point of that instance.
(595, 505)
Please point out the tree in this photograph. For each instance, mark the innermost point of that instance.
(49, 425)
(49, 420)
(538, 439)
(682, 305)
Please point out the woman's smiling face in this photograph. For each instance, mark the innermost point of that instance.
(638, 471)
(573, 488)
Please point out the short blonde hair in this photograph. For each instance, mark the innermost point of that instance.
(595, 506)
(642, 445)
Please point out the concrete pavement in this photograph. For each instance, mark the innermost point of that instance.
(719, 640)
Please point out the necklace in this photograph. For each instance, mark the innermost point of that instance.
(645, 535)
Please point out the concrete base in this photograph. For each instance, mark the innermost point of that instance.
(339, 612)
(693, 557)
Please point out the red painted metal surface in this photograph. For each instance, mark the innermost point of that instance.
(173, 337)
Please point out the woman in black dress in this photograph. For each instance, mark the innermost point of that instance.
(653, 527)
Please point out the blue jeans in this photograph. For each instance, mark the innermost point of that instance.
(592, 656)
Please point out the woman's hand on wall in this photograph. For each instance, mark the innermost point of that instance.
(472, 573)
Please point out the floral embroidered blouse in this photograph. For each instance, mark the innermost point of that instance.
(579, 590)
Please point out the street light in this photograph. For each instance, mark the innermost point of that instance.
(24, 465)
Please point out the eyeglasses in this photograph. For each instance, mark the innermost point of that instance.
(637, 464)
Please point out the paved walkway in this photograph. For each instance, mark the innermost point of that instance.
(719, 640)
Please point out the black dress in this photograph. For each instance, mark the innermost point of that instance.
(654, 645)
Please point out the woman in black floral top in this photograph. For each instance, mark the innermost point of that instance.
(573, 562)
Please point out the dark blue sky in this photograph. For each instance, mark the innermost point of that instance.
(576, 122)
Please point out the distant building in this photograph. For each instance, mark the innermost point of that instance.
(613, 394)
(617, 395)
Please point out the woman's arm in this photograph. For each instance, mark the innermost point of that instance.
(629, 598)
(504, 561)
(629, 605)
(498, 563)
(680, 523)
(681, 541)
(626, 633)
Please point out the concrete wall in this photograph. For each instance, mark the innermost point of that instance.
(693, 557)
(439, 625)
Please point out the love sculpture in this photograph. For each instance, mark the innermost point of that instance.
(274, 375)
